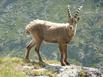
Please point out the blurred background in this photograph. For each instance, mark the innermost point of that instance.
(85, 49)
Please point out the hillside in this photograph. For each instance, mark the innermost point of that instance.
(87, 46)
(51, 69)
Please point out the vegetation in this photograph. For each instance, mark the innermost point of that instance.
(15, 67)
(12, 60)
(44, 73)
(86, 48)
(10, 67)
(82, 74)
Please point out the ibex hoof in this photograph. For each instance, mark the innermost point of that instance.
(63, 64)
(27, 60)
(42, 64)
(67, 63)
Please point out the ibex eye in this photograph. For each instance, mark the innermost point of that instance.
(71, 27)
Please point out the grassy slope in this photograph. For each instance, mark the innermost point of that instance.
(16, 67)
(10, 67)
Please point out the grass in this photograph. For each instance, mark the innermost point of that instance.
(40, 72)
(82, 74)
(13, 60)
(11, 70)
(12, 67)
(52, 62)
(9, 67)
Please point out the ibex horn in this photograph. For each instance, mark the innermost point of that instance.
(69, 12)
(77, 12)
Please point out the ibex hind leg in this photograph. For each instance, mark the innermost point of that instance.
(37, 47)
(28, 48)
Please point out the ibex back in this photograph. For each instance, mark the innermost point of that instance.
(61, 33)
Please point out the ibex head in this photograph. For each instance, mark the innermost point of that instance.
(73, 19)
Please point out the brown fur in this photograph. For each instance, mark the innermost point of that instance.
(61, 33)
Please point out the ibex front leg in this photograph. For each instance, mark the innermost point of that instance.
(63, 52)
(28, 48)
(66, 55)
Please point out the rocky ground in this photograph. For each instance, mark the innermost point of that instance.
(16, 67)
(56, 70)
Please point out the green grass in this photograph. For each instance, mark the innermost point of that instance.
(44, 73)
(13, 60)
(82, 74)
(11, 70)
(10, 67)
(52, 62)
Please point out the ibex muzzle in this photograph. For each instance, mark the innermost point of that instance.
(61, 33)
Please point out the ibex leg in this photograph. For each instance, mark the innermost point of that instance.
(37, 47)
(62, 48)
(28, 48)
(65, 55)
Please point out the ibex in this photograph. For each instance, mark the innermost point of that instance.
(61, 33)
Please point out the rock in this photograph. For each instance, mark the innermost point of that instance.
(70, 71)
(67, 71)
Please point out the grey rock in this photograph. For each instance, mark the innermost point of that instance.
(70, 71)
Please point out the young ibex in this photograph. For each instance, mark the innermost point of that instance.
(61, 33)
